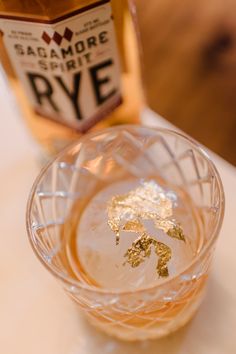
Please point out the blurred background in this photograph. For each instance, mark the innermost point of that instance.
(189, 67)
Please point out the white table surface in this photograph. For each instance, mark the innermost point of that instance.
(36, 317)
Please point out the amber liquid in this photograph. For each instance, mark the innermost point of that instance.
(90, 256)
(52, 135)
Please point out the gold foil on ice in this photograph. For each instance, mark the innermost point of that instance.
(164, 254)
(141, 249)
(134, 226)
(129, 211)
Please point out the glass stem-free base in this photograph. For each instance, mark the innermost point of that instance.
(149, 325)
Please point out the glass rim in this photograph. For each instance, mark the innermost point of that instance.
(213, 235)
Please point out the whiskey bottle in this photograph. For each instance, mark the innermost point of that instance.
(66, 62)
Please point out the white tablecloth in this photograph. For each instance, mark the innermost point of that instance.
(36, 317)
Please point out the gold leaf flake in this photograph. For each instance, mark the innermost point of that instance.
(140, 249)
(176, 232)
(164, 254)
(115, 227)
(127, 213)
(171, 228)
(134, 226)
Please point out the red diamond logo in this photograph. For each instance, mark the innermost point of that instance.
(46, 37)
(57, 38)
(68, 34)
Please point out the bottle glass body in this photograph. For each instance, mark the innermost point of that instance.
(109, 41)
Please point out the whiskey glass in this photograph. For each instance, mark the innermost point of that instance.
(104, 158)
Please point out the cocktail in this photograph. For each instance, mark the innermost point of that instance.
(127, 219)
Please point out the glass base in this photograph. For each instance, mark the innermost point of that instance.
(157, 327)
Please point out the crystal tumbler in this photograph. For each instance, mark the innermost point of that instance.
(143, 277)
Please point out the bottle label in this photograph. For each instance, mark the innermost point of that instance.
(69, 67)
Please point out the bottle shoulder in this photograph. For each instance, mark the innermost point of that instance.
(45, 10)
